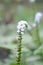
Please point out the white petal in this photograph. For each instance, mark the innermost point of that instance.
(38, 17)
(22, 29)
(22, 33)
(23, 22)
(19, 23)
(23, 26)
(18, 27)
(18, 31)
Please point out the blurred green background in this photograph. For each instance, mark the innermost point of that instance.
(12, 11)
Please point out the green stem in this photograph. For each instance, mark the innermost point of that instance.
(19, 50)
(37, 38)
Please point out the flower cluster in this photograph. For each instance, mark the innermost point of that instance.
(20, 30)
(21, 26)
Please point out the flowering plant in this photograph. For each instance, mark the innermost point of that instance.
(20, 30)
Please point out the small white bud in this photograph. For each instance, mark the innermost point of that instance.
(22, 29)
(18, 31)
(18, 27)
(38, 17)
(22, 33)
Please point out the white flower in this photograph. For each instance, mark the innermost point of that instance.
(38, 17)
(21, 26)
(22, 22)
(18, 27)
(22, 30)
(18, 31)
(22, 33)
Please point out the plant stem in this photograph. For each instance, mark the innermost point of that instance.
(37, 38)
(19, 50)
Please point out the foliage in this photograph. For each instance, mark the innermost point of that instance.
(32, 51)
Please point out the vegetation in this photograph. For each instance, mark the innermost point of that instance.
(11, 12)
